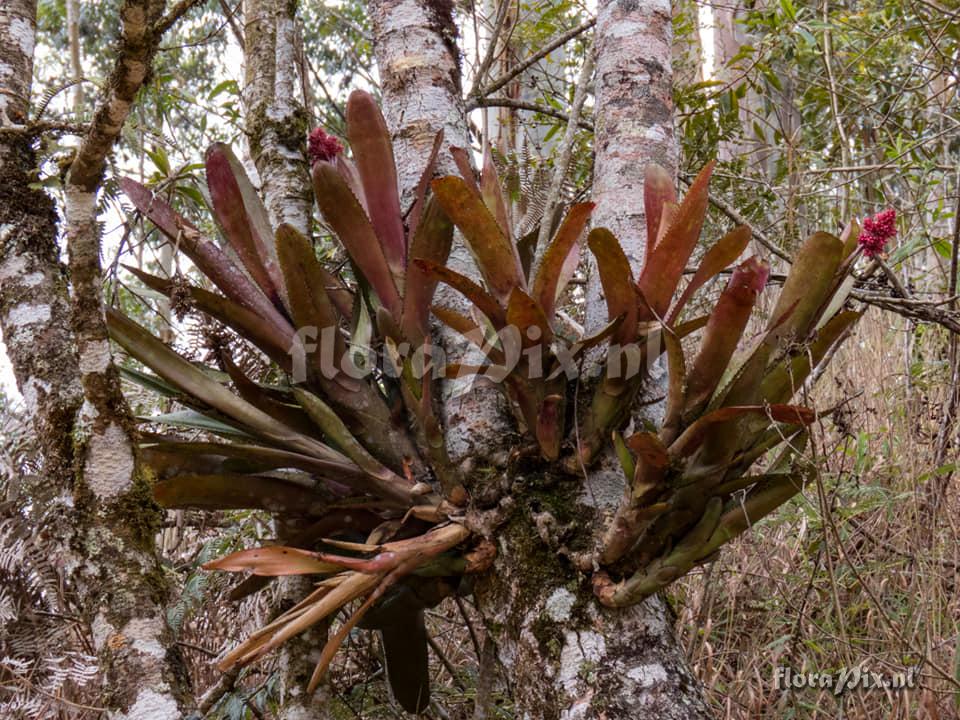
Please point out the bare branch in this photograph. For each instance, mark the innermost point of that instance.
(479, 102)
(533, 59)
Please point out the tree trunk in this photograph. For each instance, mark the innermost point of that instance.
(107, 518)
(118, 573)
(277, 127)
(634, 124)
(419, 62)
(34, 308)
(566, 656)
(275, 119)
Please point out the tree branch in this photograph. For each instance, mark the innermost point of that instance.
(522, 67)
(176, 12)
(473, 103)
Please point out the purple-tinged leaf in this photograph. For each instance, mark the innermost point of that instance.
(850, 237)
(648, 448)
(420, 194)
(351, 176)
(373, 155)
(677, 381)
(722, 254)
(286, 414)
(346, 217)
(525, 315)
(616, 277)
(185, 457)
(557, 258)
(243, 218)
(469, 330)
(664, 267)
(495, 255)
(273, 340)
(549, 429)
(461, 159)
(492, 193)
(237, 492)
(204, 253)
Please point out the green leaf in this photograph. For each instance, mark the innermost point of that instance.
(177, 371)
(193, 420)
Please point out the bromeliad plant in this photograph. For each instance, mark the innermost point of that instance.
(355, 452)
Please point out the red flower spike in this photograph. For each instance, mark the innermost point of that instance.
(323, 146)
(877, 232)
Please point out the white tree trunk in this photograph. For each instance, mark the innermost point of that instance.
(634, 123)
(277, 128)
(275, 119)
(419, 62)
(108, 518)
(566, 657)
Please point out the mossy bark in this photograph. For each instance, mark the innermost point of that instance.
(277, 126)
(100, 507)
(565, 655)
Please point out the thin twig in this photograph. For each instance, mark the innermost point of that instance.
(563, 156)
(232, 21)
(445, 661)
(176, 12)
(536, 57)
(491, 53)
(482, 102)
(732, 213)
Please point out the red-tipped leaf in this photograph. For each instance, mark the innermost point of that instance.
(546, 285)
(664, 266)
(373, 155)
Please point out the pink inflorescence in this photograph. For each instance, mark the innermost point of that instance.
(323, 146)
(877, 232)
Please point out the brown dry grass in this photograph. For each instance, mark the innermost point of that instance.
(857, 572)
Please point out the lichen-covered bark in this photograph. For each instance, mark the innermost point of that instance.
(112, 567)
(107, 519)
(634, 122)
(275, 118)
(568, 657)
(276, 123)
(415, 42)
(34, 308)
